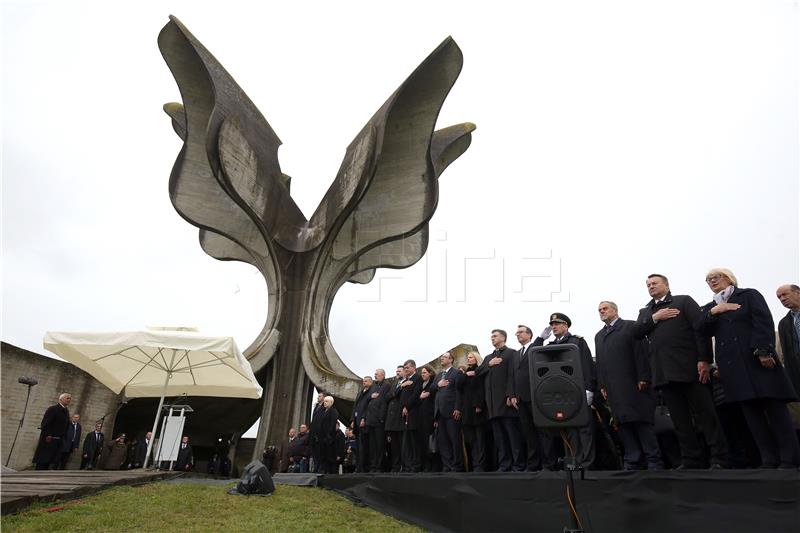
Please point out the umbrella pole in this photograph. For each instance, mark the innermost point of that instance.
(155, 422)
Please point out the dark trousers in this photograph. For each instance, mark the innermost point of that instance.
(395, 450)
(362, 459)
(62, 464)
(377, 448)
(684, 400)
(742, 450)
(531, 435)
(508, 444)
(475, 441)
(772, 429)
(641, 446)
(579, 444)
(411, 452)
(448, 441)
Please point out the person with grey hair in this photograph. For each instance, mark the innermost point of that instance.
(377, 407)
(55, 424)
(749, 369)
(329, 427)
(623, 375)
(789, 332)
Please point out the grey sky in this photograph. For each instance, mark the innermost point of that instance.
(614, 139)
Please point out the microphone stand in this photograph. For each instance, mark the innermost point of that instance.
(21, 420)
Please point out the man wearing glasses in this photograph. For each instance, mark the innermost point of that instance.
(680, 358)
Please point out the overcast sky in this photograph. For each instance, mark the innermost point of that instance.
(614, 139)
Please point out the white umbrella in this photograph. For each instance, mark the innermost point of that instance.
(159, 362)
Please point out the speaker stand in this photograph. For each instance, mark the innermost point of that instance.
(570, 466)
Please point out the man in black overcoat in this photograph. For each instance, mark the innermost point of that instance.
(623, 373)
(380, 391)
(359, 424)
(141, 450)
(185, 460)
(54, 428)
(680, 359)
(315, 433)
(395, 423)
(580, 439)
(789, 332)
(410, 389)
(447, 409)
(520, 394)
(496, 369)
(92, 446)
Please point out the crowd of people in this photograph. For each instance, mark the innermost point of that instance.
(682, 386)
(60, 437)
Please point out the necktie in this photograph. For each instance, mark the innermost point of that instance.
(608, 329)
(796, 317)
(97, 437)
(524, 355)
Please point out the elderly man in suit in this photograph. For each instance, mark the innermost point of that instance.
(54, 428)
(380, 391)
(72, 441)
(410, 389)
(789, 332)
(92, 446)
(359, 424)
(680, 359)
(623, 373)
(449, 384)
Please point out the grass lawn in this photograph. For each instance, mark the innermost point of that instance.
(189, 507)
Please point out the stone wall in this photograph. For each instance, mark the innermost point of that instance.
(90, 399)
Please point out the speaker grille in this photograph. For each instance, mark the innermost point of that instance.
(542, 371)
(568, 370)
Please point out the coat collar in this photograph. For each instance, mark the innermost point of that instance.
(667, 300)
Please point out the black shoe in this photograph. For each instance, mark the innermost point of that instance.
(716, 466)
(684, 466)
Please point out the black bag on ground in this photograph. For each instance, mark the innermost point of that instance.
(255, 480)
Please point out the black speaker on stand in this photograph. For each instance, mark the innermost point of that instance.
(558, 398)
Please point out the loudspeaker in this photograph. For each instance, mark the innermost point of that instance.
(557, 389)
(255, 480)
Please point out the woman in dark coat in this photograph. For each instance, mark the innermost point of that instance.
(473, 419)
(749, 369)
(425, 431)
(329, 427)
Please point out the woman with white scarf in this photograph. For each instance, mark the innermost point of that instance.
(749, 369)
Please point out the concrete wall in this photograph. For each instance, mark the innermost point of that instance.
(90, 399)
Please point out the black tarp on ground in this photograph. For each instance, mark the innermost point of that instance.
(728, 501)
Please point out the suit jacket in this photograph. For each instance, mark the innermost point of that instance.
(449, 398)
(622, 362)
(92, 446)
(409, 399)
(394, 411)
(790, 346)
(737, 335)
(360, 407)
(377, 407)
(141, 452)
(587, 363)
(185, 457)
(496, 383)
(315, 433)
(520, 382)
(677, 344)
(73, 440)
(52, 435)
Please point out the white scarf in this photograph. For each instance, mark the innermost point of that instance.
(723, 295)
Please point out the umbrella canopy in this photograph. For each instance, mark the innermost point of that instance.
(141, 362)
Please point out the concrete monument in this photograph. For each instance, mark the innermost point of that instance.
(228, 183)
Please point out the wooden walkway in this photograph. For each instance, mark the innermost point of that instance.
(18, 490)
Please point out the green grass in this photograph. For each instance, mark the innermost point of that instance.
(189, 507)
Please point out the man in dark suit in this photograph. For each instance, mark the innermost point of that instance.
(185, 460)
(449, 384)
(359, 424)
(92, 446)
(410, 389)
(521, 397)
(581, 440)
(623, 373)
(315, 432)
(380, 391)
(72, 442)
(502, 417)
(395, 424)
(789, 332)
(680, 359)
(141, 450)
(54, 428)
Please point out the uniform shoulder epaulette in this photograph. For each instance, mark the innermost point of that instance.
(577, 336)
